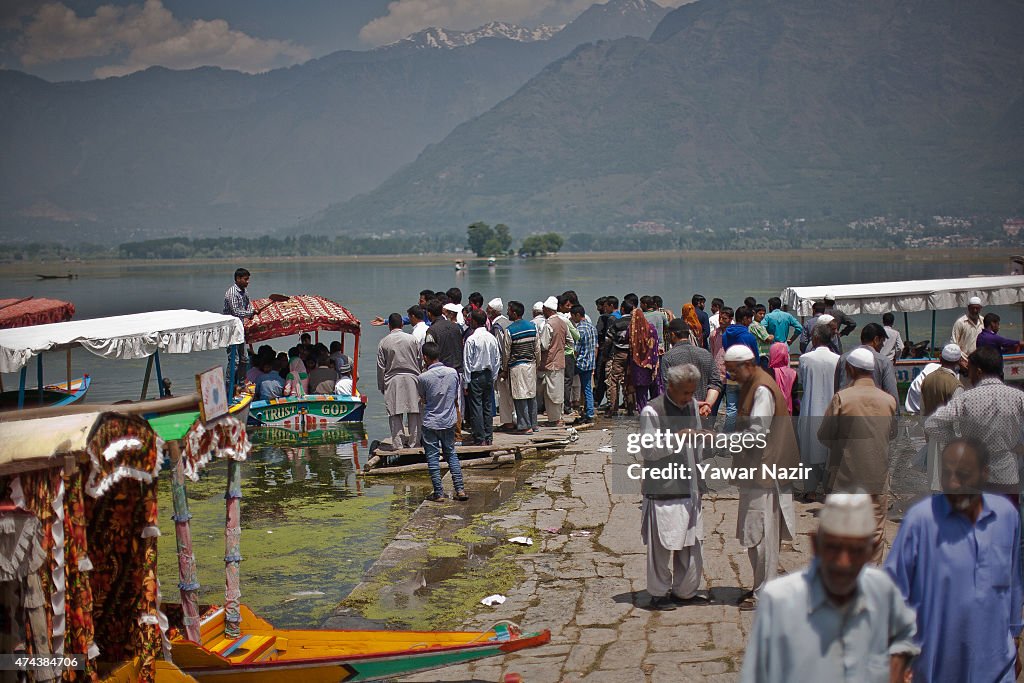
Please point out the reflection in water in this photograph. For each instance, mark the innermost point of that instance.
(310, 528)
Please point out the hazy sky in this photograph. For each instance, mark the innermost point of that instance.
(82, 39)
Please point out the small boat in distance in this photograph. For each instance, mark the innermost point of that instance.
(460, 265)
(69, 276)
(491, 262)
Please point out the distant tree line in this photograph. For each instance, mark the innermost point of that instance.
(300, 245)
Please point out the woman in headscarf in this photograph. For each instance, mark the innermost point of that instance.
(693, 323)
(297, 381)
(785, 376)
(643, 361)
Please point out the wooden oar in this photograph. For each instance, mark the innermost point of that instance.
(274, 299)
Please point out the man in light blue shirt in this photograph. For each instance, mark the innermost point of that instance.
(439, 389)
(838, 620)
(782, 325)
(957, 561)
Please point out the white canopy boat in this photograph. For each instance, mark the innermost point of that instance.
(123, 337)
(912, 296)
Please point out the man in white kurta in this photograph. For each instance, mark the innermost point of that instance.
(817, 377)
(502, 389)
(398, 367)
(672, 527)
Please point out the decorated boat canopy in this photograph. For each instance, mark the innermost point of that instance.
(123, 337)
(908, 296)
(32, 311)
(300, 313)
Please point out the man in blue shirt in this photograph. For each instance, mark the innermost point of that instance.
(439, 389)
(956, 560)
(781, 324)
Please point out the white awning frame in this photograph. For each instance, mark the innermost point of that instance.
(123, 337)
(908, 296)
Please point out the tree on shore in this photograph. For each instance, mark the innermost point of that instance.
(548, 243)
(483, 240)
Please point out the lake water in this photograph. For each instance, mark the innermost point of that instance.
(311, 526)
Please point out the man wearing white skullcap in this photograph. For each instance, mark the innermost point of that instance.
(872, 338)
(967, 328)
(951, 353)
(766, 516)
(551, 370)
(818, 317)
(857, 428)
(837, 620)
(844, 323)
(936, 390)
(502, 388)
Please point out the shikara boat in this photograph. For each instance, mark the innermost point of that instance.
(104, 575)
(28, 312)
(298, 314)
(122, 337)
(263, 653)
(913, 296)
(62, 478)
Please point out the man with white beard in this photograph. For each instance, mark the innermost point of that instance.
(672, 527)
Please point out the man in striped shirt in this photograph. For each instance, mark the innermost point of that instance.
(521, 359)
(586, 351)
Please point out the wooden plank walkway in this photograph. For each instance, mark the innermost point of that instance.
(507, 447)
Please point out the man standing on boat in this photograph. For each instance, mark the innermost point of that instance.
(967, 328)
(398, 366)
(236, 303)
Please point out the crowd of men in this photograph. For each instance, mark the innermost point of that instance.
(945, 602)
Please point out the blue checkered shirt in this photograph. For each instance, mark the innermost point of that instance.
(586, 347)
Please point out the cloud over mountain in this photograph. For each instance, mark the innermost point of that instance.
(147, 35)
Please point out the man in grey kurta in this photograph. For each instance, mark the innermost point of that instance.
(838, 620)
(398, 366)
(672, 527)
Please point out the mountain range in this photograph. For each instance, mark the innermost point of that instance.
(208, 151)
(736, 110)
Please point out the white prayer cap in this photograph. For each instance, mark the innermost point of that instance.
(824, 319)
(828, 296)
(551, 302)
(494, 304)
(951, 352)
(862, 359)
(738, 353)
(974, 301)
(847, 514)
(538, 307)
(454, 308)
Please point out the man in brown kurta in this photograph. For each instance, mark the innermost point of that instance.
(766, 516)
(936, 391)
(857, 428)
(551, 371)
